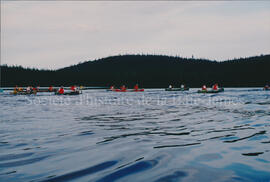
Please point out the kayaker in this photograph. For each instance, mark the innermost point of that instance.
(61, 90)
(182, 86)
(266, 87)
(15, 91)
(136, 87)
(204, 88)
(112, 87)
(123, 88)
(28, 89)
(34, 89)
(73, 88)
(215, 87)
(50, 88)
(170, 86)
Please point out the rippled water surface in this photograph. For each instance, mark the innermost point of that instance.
(150, 136)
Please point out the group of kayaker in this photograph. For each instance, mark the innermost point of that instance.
(34, 90)
(214, 87)
(29, 90)
(73, 88)
(182, 86)
(123, 88)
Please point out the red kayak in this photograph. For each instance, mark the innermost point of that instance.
(137, 90)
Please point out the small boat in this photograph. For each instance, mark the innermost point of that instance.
(176, 89)
(22, 93)
(211, 91)
(69, 93)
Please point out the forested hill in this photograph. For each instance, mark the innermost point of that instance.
(148, 71)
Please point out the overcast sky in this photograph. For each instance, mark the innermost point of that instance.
(55, 34)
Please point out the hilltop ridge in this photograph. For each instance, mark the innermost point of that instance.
(148, 71)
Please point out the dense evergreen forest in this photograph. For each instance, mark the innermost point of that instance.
(150, 71)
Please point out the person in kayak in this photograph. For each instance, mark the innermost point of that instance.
(170, 86)
(20, 89)
(28, 89)
(112, 87)
(182, 86)
(15, 91)
(215, 87)
(123, 88)
(50, 88)
(35, 90)
(61, 90)
(136, 87)
(266, 87)
(73, 88)
(204, 88)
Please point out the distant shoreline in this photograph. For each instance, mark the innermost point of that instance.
(149, 71)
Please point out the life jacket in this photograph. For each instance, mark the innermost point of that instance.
(112, 87)
(73, 88)
(123, 88)
(215, 87)
(50, 88)
(136, 87)
(61, 91)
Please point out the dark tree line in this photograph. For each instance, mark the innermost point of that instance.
(149, 71)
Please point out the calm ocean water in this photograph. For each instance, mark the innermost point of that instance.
(153, 136)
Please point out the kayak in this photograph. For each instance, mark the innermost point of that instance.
(211, 91)
(128, 90)
(22, 93)
(176, 89)
(138, 90)
(46, 90)
(69, 93)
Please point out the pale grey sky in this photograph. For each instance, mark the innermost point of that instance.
(55, 34)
